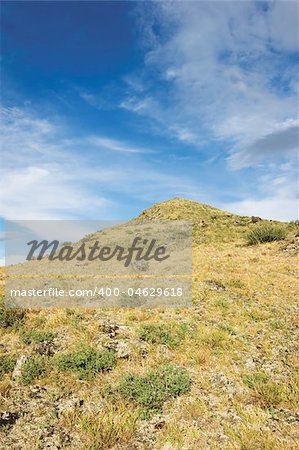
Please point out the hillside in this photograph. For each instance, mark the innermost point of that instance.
(219, 375)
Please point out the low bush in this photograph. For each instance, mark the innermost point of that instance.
(266, 232)
(152, 390)
(86, 362)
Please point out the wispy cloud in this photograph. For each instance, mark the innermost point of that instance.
(48, 173)
(277, 199)
(116, 146)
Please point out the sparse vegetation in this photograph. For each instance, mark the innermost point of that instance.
(237, 343)
(266, 232)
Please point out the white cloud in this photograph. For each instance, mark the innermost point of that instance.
(225, 67)
(280, 208)
(39, 177)
(283, 26)
(45, 192)
(48, 175)
(276, 200)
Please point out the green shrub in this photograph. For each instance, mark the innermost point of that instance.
(7, 363)
(86, 362)
(266, 232)
(32, 369)
(37, 337)
(169, 335)
(152, 390)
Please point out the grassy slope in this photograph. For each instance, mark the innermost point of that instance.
(238, 347)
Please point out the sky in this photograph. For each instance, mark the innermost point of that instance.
(109, 107)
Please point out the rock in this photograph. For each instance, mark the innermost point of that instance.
(37, 391)
(125, 348)
(254, 219)
(121, 348)
(8, 418)
(68, 405)
(249, 363)
(17, 372)
(110, 328)
(283, 414)
(45, 348)
(52, 438)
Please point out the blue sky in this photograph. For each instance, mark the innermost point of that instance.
(109, 107)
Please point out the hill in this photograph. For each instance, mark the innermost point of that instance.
(209, 224)
(183, 209)
(218, 375)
